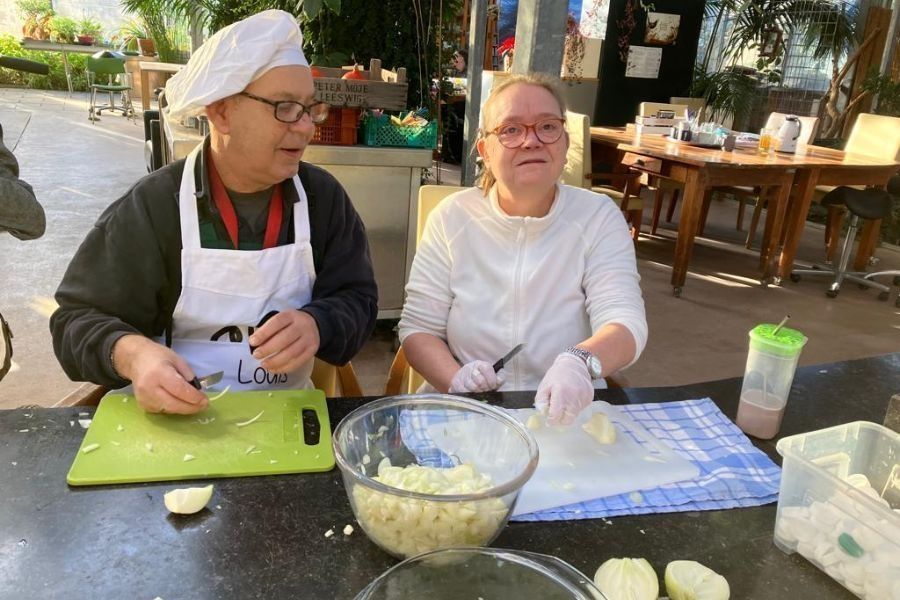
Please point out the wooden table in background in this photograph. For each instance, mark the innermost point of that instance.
(699, 169)
(146, 68)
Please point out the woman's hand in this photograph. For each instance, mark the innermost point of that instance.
(565, 390)
(476, 376)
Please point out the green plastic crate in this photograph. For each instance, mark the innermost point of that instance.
(379, 131)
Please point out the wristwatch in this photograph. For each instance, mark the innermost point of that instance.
(592, 362)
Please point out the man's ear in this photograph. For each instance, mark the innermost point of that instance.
(218, 114)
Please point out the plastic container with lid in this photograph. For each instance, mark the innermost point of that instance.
(771, 362)
(455, 573)
(839, 505)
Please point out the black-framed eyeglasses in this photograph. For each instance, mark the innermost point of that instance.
(6, 349)
(288, 111)
(512, 135)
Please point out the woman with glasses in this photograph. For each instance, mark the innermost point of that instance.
(524, 259)
(239, 259)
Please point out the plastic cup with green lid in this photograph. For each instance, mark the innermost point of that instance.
(771, 363)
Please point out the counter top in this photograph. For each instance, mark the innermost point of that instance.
(263, 537)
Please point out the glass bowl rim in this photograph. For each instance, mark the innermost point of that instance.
(476, 406)
(521, 557)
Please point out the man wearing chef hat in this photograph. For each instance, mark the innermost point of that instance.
(240, 258)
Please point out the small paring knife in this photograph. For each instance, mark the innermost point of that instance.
(207, 380)
(509, 356)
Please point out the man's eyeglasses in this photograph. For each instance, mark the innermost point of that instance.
(288, 111)
(512, 135)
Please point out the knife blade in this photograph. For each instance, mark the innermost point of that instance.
(207, 380)
(509, 355)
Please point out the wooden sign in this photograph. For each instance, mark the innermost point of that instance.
(361, 93)
(380, 88)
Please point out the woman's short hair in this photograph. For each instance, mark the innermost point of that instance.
(486, 179)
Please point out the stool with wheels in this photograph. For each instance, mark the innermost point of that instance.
(869, 203)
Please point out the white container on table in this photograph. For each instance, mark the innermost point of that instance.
(839, 505)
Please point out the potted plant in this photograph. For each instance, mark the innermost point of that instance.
(136, 38)
(63, 29)
(88, 31)
(37, 14)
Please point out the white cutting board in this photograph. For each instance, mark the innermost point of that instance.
(574, 467)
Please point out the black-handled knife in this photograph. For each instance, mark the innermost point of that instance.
(509, 355)
(207, 380)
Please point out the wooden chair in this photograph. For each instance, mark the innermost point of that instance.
(873, 135)
(695, 105)
(429, 197)
(661, 186)
(333, 380)
(623, 187)
(808, 129)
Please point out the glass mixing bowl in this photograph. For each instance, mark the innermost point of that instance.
(455, 573)
(467, 462)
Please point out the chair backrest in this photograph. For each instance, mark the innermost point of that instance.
(335, 381)
(875, 135)
(105, 65)
(429, 197)
(695, 105)
(578, 157)
(651, 109)
(808, 126)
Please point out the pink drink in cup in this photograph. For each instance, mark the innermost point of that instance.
(771, 362)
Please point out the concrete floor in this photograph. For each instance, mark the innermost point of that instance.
(78, 169)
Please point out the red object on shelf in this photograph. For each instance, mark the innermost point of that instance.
(339, 129)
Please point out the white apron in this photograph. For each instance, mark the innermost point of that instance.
(236, 289)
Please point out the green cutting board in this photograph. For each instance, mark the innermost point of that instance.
(135, 446)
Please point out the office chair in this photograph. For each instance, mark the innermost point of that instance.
(113, 66)
(871, 203)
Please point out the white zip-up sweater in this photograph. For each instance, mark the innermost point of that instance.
(484, 281)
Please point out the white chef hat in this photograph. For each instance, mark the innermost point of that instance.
(232, 58)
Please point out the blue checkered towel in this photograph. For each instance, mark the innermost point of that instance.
(733, 472)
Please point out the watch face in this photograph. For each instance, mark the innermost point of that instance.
(594, 367)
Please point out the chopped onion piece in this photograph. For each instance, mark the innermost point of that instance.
(409, 526)
(533, 422)
(187, 501)
(601, 429)
(89, 448)
(348, 529)
(188, 457)
(247, 422)
(220, 394)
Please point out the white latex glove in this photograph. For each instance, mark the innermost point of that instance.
(565, 390)
(476, 376)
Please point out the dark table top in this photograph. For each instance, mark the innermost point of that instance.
(263, 537)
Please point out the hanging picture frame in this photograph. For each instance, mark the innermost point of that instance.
(771, 43)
